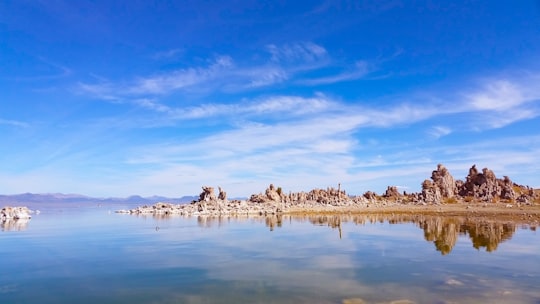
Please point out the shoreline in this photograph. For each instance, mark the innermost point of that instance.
(480, 193)
(526, 214)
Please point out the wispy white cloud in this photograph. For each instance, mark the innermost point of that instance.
(284, 105)
(311, 150)
(159, 84)
(13, 123)
(499, 95)
(55, 69)
(503, 101)
(359, 70)
(304, 51)
(103, 90)
(305, 141)
(267, 76)
(321, 147)
(151, 104)
(287, 63)
(180, 79)
(439, 131)
(172, 53)
(290, 104)
(398, 110)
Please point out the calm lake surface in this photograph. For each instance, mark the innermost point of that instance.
(89, 254)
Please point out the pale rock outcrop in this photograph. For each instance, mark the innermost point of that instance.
(486, 186)
(507, 189)
(444, 181)
(207, 194)
(442, 185)
(370, 195)
(330, 196)
(15, 213)
(272, 194)
(14, 218)
(442, 188)
(222, 194)
(431, 193)
(392, 192)
(258, 198)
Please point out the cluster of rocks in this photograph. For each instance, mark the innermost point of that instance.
(442, 188)
(273, 201)
(15, 213)
(478, 187)
(330, 196)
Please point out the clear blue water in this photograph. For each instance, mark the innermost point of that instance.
(88, 254)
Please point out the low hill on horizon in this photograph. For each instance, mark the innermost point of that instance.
(78, 198)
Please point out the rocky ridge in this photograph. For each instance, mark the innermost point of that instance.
(478, 187)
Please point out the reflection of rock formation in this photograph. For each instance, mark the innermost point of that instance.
(489, 235)
(274, 221)
(211, 221)
(442, 231)
(333, 221)
(14, 225)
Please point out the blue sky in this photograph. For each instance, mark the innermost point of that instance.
(113, 98)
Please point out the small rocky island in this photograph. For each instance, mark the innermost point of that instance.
(14, 218)
(15, 213)
(480, 192)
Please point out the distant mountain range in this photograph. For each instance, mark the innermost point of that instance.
(77, 198)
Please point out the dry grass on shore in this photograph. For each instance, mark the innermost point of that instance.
(499, 211)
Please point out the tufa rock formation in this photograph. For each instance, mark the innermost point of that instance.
(431, 193)
(15, 213)
(444, 181)
(442, 185)
(441, 188)
(207, 194)
(222, 194)
(392, 193)
(14, 218)
(478, 187)
(486, 187)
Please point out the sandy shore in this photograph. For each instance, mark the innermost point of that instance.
(499, 211)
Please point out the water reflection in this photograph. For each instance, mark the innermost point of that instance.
(442, 231)
(118, 258)
(14, 225)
